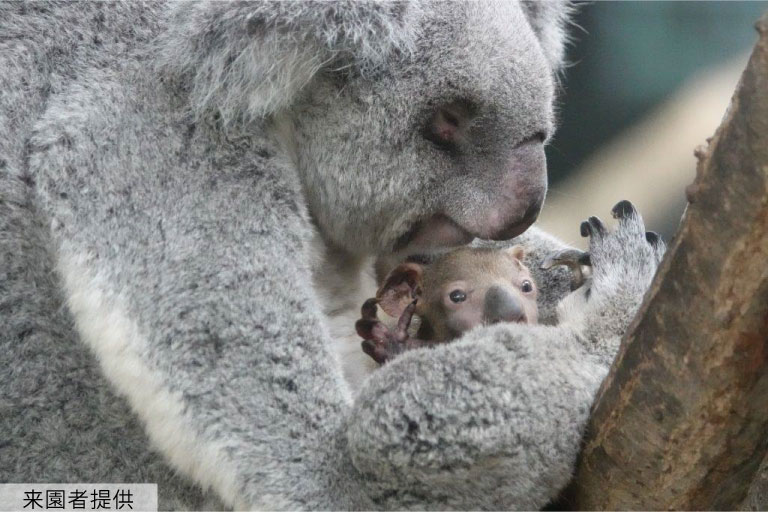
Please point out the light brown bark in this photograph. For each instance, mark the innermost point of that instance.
(681, 422)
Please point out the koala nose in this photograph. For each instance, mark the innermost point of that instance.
(502, 306)
(521, 192)
(503, 195)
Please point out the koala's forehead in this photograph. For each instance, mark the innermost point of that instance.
(472, 264)
(488, 45)
(484, 52)
(492, 29)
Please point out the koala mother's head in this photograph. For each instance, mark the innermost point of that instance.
(413, 126)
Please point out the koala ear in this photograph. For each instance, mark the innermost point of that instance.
(400, 288)
(548, 19)
(250, 59)
(516, 251)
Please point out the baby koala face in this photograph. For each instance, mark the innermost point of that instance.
(462, 289)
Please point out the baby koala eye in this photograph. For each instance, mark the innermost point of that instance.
(527, 286)
(457, 296)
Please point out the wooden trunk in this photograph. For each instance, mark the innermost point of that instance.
(681, 422)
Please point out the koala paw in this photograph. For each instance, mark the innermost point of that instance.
(623, 262)
(628, 255)
(379, 341)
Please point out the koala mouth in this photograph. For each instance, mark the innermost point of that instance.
(437, 232)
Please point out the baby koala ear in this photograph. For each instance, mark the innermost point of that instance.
(400, 288)
(516, 251)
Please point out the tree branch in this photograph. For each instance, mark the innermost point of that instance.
(682, 419)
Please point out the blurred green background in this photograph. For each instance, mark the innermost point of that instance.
(627, 59)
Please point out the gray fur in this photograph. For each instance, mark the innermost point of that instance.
(166, 173)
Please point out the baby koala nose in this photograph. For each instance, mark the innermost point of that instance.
(502, 306)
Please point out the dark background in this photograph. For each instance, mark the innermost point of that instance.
(627, 57)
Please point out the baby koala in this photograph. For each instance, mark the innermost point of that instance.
(457, 291)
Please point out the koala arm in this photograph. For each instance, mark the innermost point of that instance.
(492, 421)
(496, 418)
(182, 260)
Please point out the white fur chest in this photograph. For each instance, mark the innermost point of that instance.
(342, 283)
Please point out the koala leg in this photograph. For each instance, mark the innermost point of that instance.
(624, 261)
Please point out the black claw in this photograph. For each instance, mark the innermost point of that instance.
(364, 328)
(568, 257)
(369, 347)
(623, 209)
(585, 229)
(597, 225)
(652, 237)
(368, 310)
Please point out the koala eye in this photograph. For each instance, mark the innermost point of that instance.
(448, 124)
(527, 286)
(457, 296)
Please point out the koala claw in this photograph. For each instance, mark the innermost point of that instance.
(574, 259)
(567, 257)
(628, 247)
(623, 209)
(584, 229)
(368, 310)
(381, 343)
(656, 243)
(652, 237)
(593, 227)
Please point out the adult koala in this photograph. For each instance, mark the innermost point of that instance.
(179, 184)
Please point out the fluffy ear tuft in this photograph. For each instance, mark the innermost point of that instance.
(548, 19)
(248, 60)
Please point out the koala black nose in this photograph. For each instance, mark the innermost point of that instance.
(502, 306)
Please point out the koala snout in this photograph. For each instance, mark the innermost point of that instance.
(512, 228)
(513, 194)
(502, 306)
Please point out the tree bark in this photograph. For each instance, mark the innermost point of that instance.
(681, 422)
